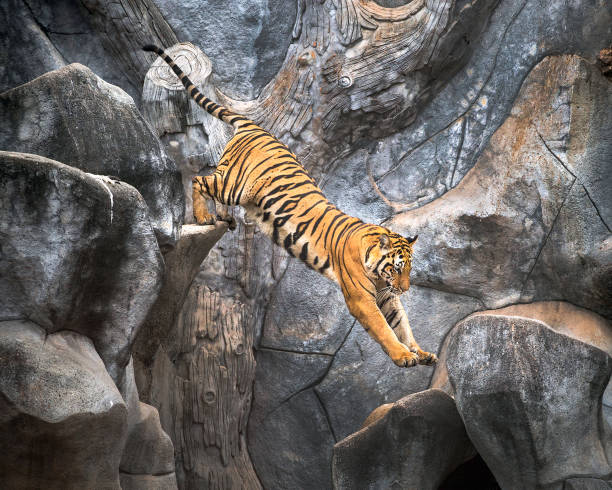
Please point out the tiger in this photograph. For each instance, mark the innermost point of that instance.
(370, 263)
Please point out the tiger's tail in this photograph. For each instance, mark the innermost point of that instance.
(220, 112)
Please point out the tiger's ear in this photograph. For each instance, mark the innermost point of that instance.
(384, 242)
(412, 240)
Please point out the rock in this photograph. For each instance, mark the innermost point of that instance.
(449, 134)
(313, 329)
(245, 41)
(586, 484)
(293, 444)
(78, 253)
(530, 398)
(25, 50)
(181, 266)
(75, 117)
(282, 400)
(63, 422)
(148, 451)
(522, 193)
(415, 443)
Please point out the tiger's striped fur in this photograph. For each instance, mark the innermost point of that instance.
(370, 263)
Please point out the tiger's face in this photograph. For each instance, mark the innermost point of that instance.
(389, 261)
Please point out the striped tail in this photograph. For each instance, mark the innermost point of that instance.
(208, 105)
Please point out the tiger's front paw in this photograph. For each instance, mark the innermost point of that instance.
(403, 357)
(427, 358)
(231, 222)
(204, 219)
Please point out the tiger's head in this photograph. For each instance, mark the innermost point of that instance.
(388, 260)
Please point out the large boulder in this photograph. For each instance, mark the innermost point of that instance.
(75, 117)
(62, 419)
(530, 396)
(78, 253)
(414, 443)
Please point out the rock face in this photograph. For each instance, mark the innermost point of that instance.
(75, 117)
(148, 454)
(525, 191)
(61, 227)
(446, 119)
(63, 421)
(415, 443)
(26, 51)
(80, 261)
(530, 399)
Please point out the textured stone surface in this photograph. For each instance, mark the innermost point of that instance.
(181, 266)
(78, 253)
(63, 421)
(520, 193)
(245, 41)
(25, 52)
(415, 444)
(148, 452)
(586, 484)
(75, 117)
(565, 318)
(530, 399)
(288, 456)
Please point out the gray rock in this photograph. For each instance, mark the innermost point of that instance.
(415, 443)
(450, 133)
(78, 253)
(25, 50)
(321, 320)
(67, 28)
(586, 484)
(530, 399)
(293, 444)
(148, 450)
(246, 42)
(148, 482)
(75, 117)
(181, 266)
(63, 422)
(521, 194)
(282, 401)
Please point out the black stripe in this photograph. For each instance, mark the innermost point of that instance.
(325, 265)
(304, 252)
(368, 252)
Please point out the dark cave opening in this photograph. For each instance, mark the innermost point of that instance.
(473, 474)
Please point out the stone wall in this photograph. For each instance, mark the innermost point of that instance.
(481, 126)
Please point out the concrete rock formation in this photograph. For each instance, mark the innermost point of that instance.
(414, 443)
(483, 126)
(63, 420)
(61, 227)
(73, 116)
(530, 396)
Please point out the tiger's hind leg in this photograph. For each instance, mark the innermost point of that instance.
(200, 197)
(391, 307)
(203, 189)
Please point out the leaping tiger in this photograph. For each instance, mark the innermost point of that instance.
(370, 263)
